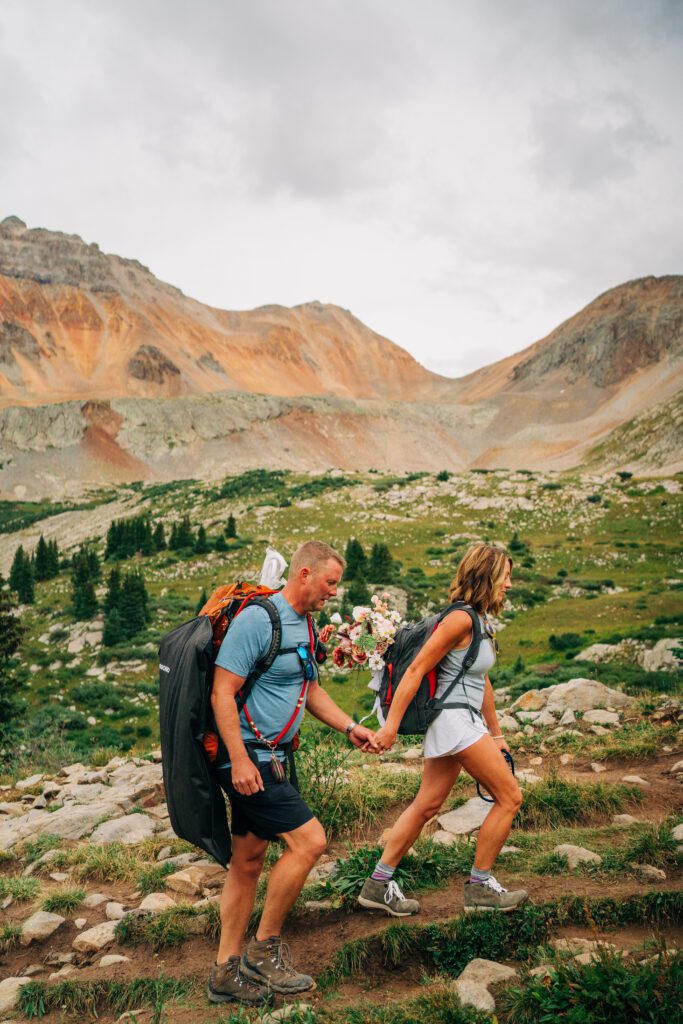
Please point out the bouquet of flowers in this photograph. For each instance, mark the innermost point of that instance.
(364, 640)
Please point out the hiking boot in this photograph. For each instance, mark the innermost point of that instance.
(490, 895)
(388, 897)
(270, 963)
(227, 984)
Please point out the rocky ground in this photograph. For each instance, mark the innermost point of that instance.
(96, 890)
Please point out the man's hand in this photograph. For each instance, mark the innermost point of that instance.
(501, 743)
(364, 739)
(385, 738)
(246, 778)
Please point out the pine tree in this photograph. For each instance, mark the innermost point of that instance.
(112, 633)
(173, 542)
(203, 598)
(358, 593)
(231, 527)
(133, 604)
(185, 537)
(52, 559)
(381, 568)
(159, 537)
(17, 568)
(145, 539)
(21, 577)
(201, 545)
(10, 635)
(83, 597)
(42, 567)
(111, 601)
(220, 544)
(356, 560)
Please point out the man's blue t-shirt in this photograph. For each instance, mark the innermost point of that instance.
(274, 695)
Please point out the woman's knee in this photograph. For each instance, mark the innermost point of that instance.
(511, 799)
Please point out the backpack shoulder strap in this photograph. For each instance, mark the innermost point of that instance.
(275, 644)
(470, 654)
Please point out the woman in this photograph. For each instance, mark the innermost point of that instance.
(467, 737)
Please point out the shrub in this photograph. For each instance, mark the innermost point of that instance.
(20, 889)
(151, 879)
(90, 998)
(656, 845)
(427, 870)
(609, 990)
(64, 901)
(555, 801)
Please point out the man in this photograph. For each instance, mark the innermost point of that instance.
(264, 807)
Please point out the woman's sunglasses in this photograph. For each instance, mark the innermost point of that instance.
(491, 634)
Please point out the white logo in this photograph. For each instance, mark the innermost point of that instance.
(164, 668)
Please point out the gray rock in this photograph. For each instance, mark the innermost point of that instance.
(470, 993)
(597, 767)
(568, 717)
(577, 855)
(465, 819)
(677, 832)
(40, 926)
(114, 911)
(285, 1012)
(10, 989)
(94, 899)
(156, 902)
(624, 820)
(577, 694)
(635, 780)
(507, 723)
(109, 959)
(131, 829)
(487, 972)
(600, 717)
(649, 872)
(95, 939)
(676, 768)
(30, 782)
(576, 945)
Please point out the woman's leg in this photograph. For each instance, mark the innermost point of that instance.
(438, 777)
(485, 763)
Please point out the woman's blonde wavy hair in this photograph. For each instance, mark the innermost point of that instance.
(479, 579)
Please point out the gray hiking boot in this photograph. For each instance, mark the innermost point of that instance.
(490, 895)
(270, 963)
(227, 984)
(388, 897)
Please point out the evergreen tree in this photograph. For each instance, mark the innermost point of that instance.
(381, 568)
(358, 593)
(41, 565)
(173, 542)
(133, 604)
(145, 539)
(10, 635)
(185, 537)
(201, 545)
(83, 597)
(356, 560)
(220, 544)
(52, 559)
(112, 633)
(111, 601)
(21, 577)
(231, 527)
(203, 598)
(159, 537)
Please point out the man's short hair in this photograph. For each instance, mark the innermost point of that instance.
(312, 555)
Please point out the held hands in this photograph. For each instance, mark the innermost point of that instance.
(246, 778)
(385, 738)
(364, 739)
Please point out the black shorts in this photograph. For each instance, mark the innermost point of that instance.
(278, 808)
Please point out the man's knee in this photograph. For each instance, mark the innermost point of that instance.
(310, 843)
(248, 863)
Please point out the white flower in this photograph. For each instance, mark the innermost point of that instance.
(360, 612)
(375, 662)
(336, 618)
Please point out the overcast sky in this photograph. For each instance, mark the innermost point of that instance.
(462, 176)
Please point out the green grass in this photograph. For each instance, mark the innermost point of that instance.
(63, 902)
(555, 801)
(9, 938)
(96, 997)
(35, 848)
(153, 878)
(655, 845)
(609, 990)
(112, 863)
(22, 890)
(448, 946)
(169, 928)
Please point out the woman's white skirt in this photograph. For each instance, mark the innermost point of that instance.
(453, 731)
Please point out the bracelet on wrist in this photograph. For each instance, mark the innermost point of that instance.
(349, 729)
(500, 737)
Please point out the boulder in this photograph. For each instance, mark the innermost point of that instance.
(601, 717)
(577, 694)
(662, 657)
(189, 881)
(465, 819)
(470, 993)
(545, 717)
(156, 902)
(635, 780)
(677, 833)
(649, 873)
(29, 783)
(487, 972)
(109, 959)
(9, 993)
(676, 768)
(576, 945)
(94, 899)
(577, 855)
(597, 767)
(97, 938)
(114, 911)
(507, 723)
(568, 717)
(39, 927)
(131, 829)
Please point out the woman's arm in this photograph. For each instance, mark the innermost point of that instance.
(488, 710)
(451, 633)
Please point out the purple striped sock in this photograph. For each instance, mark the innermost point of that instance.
(383, 872)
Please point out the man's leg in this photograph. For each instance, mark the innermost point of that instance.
(304, 847)
(239, 892)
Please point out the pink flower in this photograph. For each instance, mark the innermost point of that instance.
(326, 632)
(360, 657)
(338, 657)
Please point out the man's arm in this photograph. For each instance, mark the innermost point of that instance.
(322, 707)
(246, 777)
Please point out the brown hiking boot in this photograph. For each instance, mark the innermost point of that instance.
(227, 984)
(490, 895)
(270, 963)
(388, 897)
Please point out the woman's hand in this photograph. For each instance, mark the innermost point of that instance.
(501, 743)
(385, 738)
